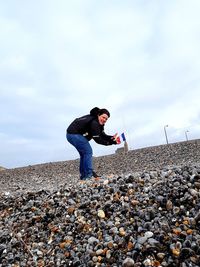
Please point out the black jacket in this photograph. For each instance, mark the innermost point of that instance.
(89, 127)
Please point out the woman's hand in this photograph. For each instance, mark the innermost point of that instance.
(116, 138)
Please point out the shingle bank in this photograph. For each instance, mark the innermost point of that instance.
(148, 217)
(54, 174)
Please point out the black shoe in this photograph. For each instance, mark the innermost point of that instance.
(95, 175)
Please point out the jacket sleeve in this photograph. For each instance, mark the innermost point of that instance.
(99, 136)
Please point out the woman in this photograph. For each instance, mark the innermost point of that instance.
(82, 130)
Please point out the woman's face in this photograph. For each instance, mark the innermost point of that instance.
(102, 119)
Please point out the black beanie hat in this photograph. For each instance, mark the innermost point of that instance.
(104, 111)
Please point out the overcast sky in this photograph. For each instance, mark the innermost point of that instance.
(140, 59)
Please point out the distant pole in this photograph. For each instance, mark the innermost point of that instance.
(166, 133)
(186, 136)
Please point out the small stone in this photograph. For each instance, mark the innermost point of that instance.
(110, 245)
(134, 202)
(148, 234)
(122, 232)
(160, 256)
(128, 262)
(101, 214)
(169, 205)
(71, 210)
(93, 240)
(94, 259)
(99, 252)
(142, 240)
(176, 252)
(108, 254)
(130, 246)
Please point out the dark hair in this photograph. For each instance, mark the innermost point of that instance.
(99, 111)
(104, 111)
(94, 112)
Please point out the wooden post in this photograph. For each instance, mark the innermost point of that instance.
(125, 147)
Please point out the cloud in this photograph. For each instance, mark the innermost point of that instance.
(139, 59)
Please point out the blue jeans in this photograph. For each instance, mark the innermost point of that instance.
(85, 151)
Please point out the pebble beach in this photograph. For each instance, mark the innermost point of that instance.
(135, 215)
